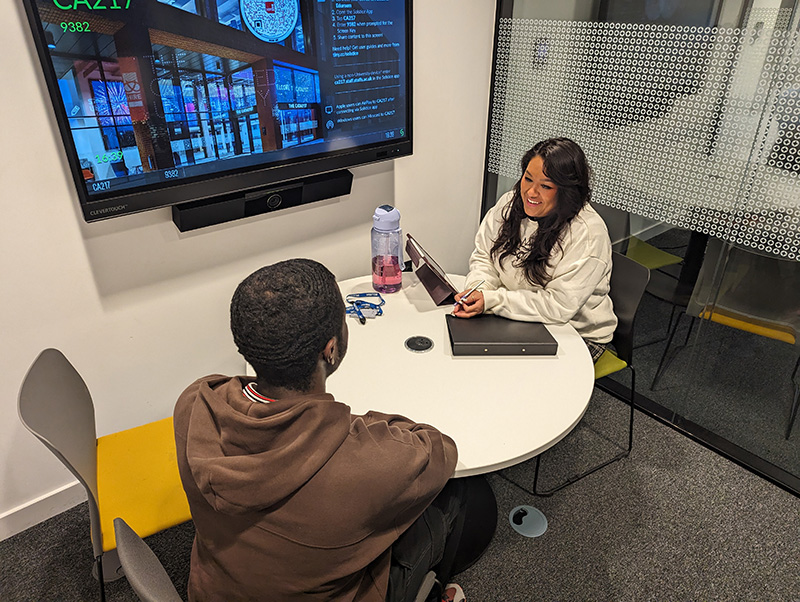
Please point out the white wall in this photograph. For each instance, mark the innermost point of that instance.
(142, 310)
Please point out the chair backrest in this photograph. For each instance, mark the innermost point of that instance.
(628, 281)
(618, 224)
(55, 405)
(142, 568)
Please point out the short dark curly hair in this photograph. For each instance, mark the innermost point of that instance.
(282, 316)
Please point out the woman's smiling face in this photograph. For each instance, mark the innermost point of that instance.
(537, 190)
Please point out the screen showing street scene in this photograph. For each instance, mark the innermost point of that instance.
(160, 91)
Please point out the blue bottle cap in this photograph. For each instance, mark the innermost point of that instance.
(386, 218)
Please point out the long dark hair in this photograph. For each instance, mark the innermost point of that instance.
(564, 163)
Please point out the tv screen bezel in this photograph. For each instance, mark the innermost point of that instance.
(219, 184)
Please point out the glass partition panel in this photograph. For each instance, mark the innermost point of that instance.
(688, 112)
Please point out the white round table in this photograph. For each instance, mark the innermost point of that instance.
(499, 410)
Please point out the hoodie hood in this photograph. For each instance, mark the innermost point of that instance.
(269, 439)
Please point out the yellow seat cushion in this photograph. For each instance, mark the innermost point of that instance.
(765, 328)
(649, 256)
(137, 479)
(608, 364)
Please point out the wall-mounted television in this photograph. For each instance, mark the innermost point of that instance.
(208, 104)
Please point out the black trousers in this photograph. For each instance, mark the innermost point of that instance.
(431, 542)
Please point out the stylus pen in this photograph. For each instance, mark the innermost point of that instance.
(472, 290)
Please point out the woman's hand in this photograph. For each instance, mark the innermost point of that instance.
(470, 306)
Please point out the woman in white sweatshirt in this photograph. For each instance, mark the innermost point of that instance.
(543, 251)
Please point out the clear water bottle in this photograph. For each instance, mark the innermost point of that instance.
(387, 250)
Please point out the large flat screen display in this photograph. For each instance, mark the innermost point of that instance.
(162, 102)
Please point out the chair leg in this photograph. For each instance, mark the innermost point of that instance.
(99, 566)
(624, 453)
(517, 485)
(795, 402)
(672, 317)
(633, 405)
(662, 366)
(689, 331)
(660, 339)
(536, 478)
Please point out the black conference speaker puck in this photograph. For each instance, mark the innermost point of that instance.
(419, 344)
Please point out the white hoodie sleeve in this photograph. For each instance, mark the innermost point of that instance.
(577, 292)
(575, 277)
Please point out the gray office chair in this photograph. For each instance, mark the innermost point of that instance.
(142, 568)
(55, 405)
(65, 432)
(628, 282)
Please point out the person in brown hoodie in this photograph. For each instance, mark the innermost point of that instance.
(292, 496)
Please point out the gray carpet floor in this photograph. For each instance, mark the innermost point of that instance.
(673, 521)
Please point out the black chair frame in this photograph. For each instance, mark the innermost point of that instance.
(628, 282)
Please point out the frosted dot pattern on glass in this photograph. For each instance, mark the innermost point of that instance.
(774, 18)
(693, 126)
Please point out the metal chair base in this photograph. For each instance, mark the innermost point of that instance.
(574, 479)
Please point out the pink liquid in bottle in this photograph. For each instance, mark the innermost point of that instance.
(387, 274)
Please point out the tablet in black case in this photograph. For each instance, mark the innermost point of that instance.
(493, 335)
